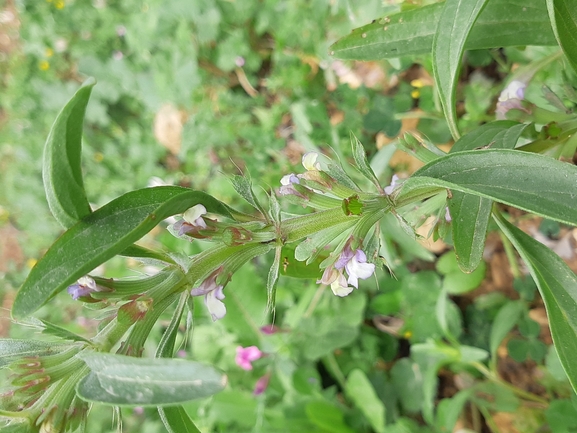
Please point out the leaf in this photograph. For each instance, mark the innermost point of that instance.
(176, 420)
(534, 183)
(362, 393)
(455, 24)
(470, 214)
(243, 186)
(272, 279)
(362, 162)
(128, 381)
(505, 320)
(502, 23)
(326, 416)
(165, 347)
(12, 349)
(470, 218)
(563, 16)
(140, 252)
(500, 134)
(558, 287)
(449, 409)
(100, 236)
(61, 171)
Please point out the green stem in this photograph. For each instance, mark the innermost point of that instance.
(315, 301)
(332, 366)
(511, 256)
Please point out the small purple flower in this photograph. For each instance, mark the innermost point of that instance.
(510, 98)
(192, 222)
(246, 355)
(287, 188)
(394, 182)
(239, 61)
(213, 295)
(448, 215)
(336, 279)
(355, 263)
(357, 267)
(269, 329)
(83, 287)
(261, 384)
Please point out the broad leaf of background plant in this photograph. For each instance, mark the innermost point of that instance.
(506, 319)
(502, 23)
(176, 420)
(100, 236)
(61, 171)
(563, 16)
(534, 183)
(362, 393)
(455, 24)
(558, 286)
(125, 380)
(470, 214)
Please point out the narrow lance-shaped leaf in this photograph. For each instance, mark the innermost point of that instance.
(563, 16)
(470, 213)
(61, 171)
(165, 347)
(128, 381)
(362, 162)
(535, 183)
(12, 349)
(502, 23)
(558, 286)
(176, 420)
(272, 279)
(100, 236)
(455, 24)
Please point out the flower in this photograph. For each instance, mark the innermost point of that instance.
(83, 287)
(357, 267)
(213, 295)
(239, 61)
(192, 222)
(310, 161)
(394, 182)
(246, 355)
(510, 98)
(336, 279)
(261, 384)
(287, 188)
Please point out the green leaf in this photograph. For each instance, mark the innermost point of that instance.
(563, 16)
(455, 24)
(558, 287)
(165, 347)
(100, 236)
(362, 162)
(12, 349)
(128, 381)
(500, 134)
(470, 214)
(534, 183)
(176, 420)
(61, 171)
(502, 23)
(506, 319)
(145, 254)
(243, 186)
(469, 218)
(449, 409)
(362, 393)
(326, 416)
(272, 278)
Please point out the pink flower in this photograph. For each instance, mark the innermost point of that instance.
(246, 355)
(261, 384)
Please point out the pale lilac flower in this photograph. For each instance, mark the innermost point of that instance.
(510, 98)
(357, 267)
(192, 221)
(193, 216)
(261, 384)
(336, 279)
(83, 287)
(287, 188)
(448, 215)
(310, 161)
(120, 31)
(289, 179)
(213, 295)
(394, 182)
(246, 355)
(239, 61)
(117, 55)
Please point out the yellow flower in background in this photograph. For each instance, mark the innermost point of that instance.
(98, 157)
(43, 65)
(59, 4)
(30, 263)
(49, 52)
(415, 93)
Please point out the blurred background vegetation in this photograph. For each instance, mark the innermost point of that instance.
(189, 92)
